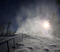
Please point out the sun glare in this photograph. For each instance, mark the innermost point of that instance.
(46, 25)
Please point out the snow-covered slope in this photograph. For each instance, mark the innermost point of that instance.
(38, 44)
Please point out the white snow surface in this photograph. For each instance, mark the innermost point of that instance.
(38, 44)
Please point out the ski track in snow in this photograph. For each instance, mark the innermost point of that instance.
(36, 44)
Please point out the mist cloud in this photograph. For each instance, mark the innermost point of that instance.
(30, 18)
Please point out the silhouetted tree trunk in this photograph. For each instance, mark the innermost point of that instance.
(8, 26)
(2, 29)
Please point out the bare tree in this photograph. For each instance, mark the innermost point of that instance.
(2, 29)
(8, 26)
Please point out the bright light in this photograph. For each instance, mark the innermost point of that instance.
(46, 25)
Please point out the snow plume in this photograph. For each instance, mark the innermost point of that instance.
(31, 17)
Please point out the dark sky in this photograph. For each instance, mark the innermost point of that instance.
(10, 8)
